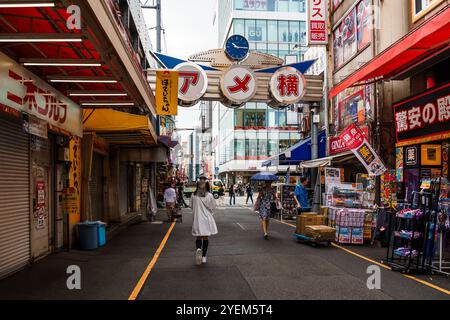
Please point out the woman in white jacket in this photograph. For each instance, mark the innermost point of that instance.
(204, 226)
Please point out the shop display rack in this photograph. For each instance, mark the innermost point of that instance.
(412, 234)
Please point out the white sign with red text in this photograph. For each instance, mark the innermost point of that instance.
(192, 83)
(317, 21)
(23, 91)
(238, 85)
(287, 86)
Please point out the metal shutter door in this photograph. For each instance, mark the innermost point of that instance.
(14, 197)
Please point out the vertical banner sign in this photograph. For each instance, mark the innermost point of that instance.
(40, 205)
(355, 140)
(317, 21)
(167, 93)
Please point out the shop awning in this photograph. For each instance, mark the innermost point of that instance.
(298, 152)
(118, 127)
(430, 37)
(327, 161)
(168, 142)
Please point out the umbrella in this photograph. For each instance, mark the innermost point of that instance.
(264, 176)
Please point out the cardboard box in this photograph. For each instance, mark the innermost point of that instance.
(320, 233)
(308, 219)
(324, 211)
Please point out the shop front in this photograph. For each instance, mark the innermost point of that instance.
(422, 126)
(37, 124)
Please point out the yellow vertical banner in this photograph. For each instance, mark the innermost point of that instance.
(167, 93)
(74, 190)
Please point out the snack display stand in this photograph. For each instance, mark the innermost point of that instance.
(350, 213)
(288, 204)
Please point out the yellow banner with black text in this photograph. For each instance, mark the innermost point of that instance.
(167, 93)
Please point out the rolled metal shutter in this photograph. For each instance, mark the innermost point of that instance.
(14, 197)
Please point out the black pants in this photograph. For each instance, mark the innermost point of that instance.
(232, 198)
(249, 196)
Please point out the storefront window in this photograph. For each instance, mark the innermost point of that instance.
(283, 31)
(272, 31)
(250, 26)
(239, 27)
(262, 148)
(273, 148)
(294, 31)
(261, 30)
(251, 149)
(239, 149)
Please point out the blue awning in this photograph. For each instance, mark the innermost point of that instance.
(298, 152)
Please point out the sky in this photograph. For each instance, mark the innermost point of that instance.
(189, 29)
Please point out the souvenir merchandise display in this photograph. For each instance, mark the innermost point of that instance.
(288, 204)
(414, 231)
(441, 263)
(351, 213)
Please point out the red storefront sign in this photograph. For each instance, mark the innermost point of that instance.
(317, 21)
(425, 116)
(337, 145)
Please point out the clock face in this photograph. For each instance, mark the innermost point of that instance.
(237, 47)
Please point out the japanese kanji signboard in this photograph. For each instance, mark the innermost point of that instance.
(192, 83)
(23, 91)
(238, 85)
(354, 139)
(287, 86)
(425, 117)
(317, 21)
(167, 93)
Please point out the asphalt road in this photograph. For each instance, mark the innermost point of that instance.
(241, 266)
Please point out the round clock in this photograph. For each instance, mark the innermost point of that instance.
(237, 47)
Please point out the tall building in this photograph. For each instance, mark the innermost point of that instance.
(246, 136)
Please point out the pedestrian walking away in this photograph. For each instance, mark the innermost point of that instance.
(267, 198)
(180, 197)
(249, 191)
(204, 225)
(170, 198)
(232, 192)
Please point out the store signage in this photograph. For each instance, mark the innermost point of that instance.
(35, 126)
(337, 145)
(425, 116)
(287, 86)
(192, 83)
(355, 140)
(422, 7)
(167, 93)
(317, 21)
(260, 5)
(238, 85)
(23, 91)
(411, 156)
(431, 155)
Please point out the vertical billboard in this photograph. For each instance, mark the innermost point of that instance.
(317, 21)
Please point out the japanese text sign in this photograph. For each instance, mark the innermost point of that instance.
(167, 93)
(287, 86)
(317, 21)
(192, 83)
(425, 115)
(23, 91)
(354, 139)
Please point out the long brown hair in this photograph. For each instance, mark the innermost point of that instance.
(207, 187)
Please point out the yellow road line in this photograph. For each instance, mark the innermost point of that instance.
(426, 283)
(152, 263)
(362, 257)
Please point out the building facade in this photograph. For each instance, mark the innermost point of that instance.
(398, 51)
(255, 132)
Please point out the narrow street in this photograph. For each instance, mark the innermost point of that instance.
(241, 266)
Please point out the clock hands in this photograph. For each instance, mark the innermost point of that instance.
(237, 47)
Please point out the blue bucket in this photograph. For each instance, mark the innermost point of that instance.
(101, 233)
(88, 235)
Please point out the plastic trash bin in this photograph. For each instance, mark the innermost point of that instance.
(101, 233)
(88, 235)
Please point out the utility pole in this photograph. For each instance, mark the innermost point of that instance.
(157, 7)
